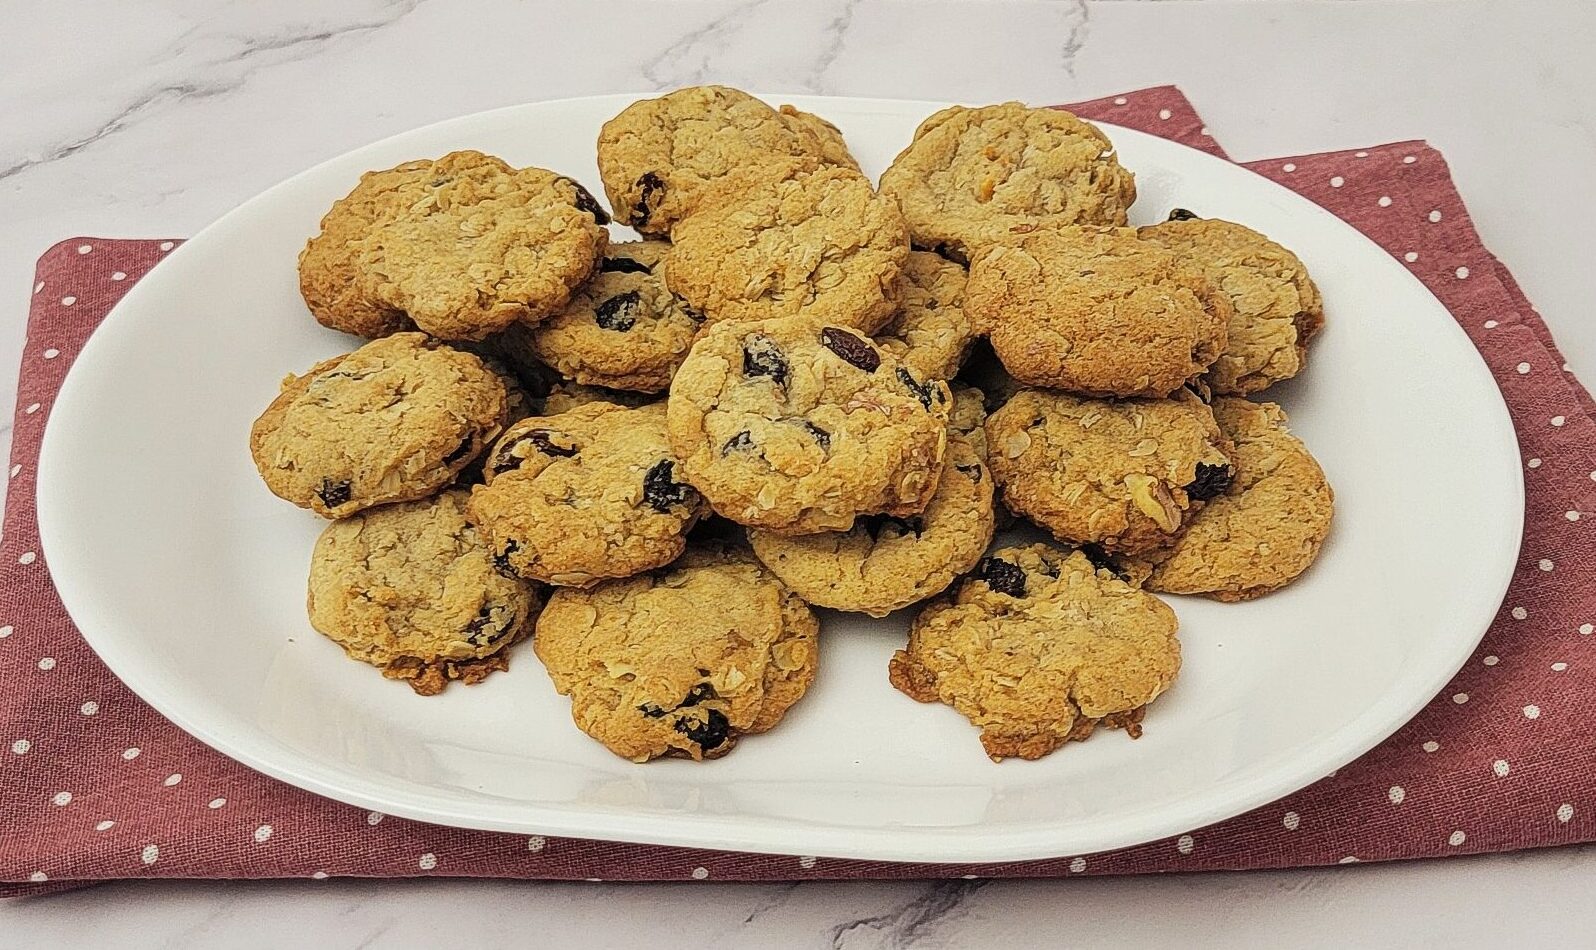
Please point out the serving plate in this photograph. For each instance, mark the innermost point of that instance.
(188, 577)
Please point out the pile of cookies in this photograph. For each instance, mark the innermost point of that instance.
(654, 456)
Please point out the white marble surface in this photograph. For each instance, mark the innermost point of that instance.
(152, 117)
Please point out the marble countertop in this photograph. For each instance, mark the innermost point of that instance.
(142, 118)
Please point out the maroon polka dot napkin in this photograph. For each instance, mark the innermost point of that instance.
(94, 785)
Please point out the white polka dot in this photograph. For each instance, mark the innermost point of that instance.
(51, 353)
(1291, 820)
(85, 248)
(38, 877)
(1462, 273)
(1557, 421)
(21, 746)
(1532, 711)
(89, 708)
(1500, 767)
(1490, 324)
(167, 245)
(1204, 131)
(172, 779)
(1349, 859)
(1435, 216)
(593, 880)
(130, 754)
(700, 873)
(1408, 159)
(1337, 182)
(263, 832)
(1523, 369)
(68, 300)
(373, 817)
(1396, 794)
(1545, 564)
(428, 861)
(1184, 844)
(1360, 154)
(1411, 256)
(1519, 613)
(150, 854)
(38, 287)
(1559, 667)
(119, 275)
(1384, 202)
(62, 798)
(1491, 660)
(106, 825)
(47, 664)
(1120, 100)
(808, 860)
(1288, 167)
(1164, 113)
(1457, 838)
(536, 843)
(970, 877)
(1571, 515)
(318, 875)
(28, 557)
(32, 408)
(1586, 628)
(6, 631)
(15, 470)
(216, 803)
(1431, 746)
(1460, 698)
(1565, 811)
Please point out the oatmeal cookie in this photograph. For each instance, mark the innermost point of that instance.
(1039, 647)
(799, 427)
(683, 661)
(930, 333)
(395, 420)
(410, 588)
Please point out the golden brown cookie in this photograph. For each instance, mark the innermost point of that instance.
(1096, 311)
(800, 427)
(462, 247)
(1039, 647)
(395, 420)
(1123, 474)
(973, 177)
(1275, 306)
(411, 589)
(791, 238)
(593, 493)
(1267, 528)
(683, 661)
(930, 332)
(659, 155)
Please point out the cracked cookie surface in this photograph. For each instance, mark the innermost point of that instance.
(1123, 474)
(588, 494)
(1267, 529)
(461, 247)
(791, 238)
(395, 420)
(658, 156)
(1037, 648)
(682, 661)
(623, 329)
(1275, 306)
(973, 177)
(799, 427)
(930, 332)
(1097, 311)
(410, 588)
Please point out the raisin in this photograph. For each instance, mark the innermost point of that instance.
(763, 357)
(624, 265)
(660, 491)
(973, 471)
(710, 733)
(648, 183)
(1103, 562)
(501, 560)
(853, 350)
(651, 711)
(741, 442)
(481, 631)
(586, 202)
(543, 439)
(922, 391)
(1004, 577)
(700, 692)
(876, 525)
(619, 312)
(688, 312)
(821, 436)
(333, 494)
(461, 451)
(1211, 481)
(1181, 214)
